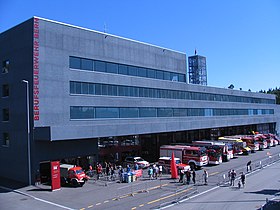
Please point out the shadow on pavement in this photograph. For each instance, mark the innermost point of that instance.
(267, 192)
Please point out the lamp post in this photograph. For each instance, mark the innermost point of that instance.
(28, 131)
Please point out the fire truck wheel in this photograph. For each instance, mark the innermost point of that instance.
(75, 183)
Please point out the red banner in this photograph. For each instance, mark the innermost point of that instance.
(55, 174)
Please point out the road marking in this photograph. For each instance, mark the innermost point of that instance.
(213, 173)
(171, 195)
(38, 199)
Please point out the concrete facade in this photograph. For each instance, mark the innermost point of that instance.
(54, 135)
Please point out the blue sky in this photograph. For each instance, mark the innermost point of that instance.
(239, 38)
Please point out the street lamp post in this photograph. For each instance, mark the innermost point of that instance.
(28, 131)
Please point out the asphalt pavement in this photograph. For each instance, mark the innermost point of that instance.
(261, 185)
(149, 194)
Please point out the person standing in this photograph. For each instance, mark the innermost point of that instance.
(193, 176)
(243, 177)
(188, 176)
(232, 177)
(160, 170)
(205, 176)
(249, 168)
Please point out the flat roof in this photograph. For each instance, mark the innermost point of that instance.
(103, 33)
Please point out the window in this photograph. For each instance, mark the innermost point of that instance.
(112, 90)
(100, 66)
(75, 63)
(142, 72)
(107, 112)
(166, 75)
(147, 112)
(132, 70)
(6, 116)
(85, 88)
(165, 112)
(78, 112)
(5, 66)
(5, 90)
(151, 73)
(123, 69)
(129, 112)
(112, 68)
(6, 139)
(180, 112)
(159, 74)
(87, 64)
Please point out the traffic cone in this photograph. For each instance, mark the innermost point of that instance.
(174, 174)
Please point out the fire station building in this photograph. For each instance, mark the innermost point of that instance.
(70, 93)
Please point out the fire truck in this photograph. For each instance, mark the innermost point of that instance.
(262, 142)
(222, 150)
(239, 147)
(251, 142)
(196, 157)
(267, 139)
(270, 140)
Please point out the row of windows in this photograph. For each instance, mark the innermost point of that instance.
(5, 66)
(5, 112)
(6, 139)
(90, 112)
(119, 90)
(116, 68)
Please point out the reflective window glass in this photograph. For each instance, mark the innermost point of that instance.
(75, 63)
(97, 89)
(5, 90)
(180, 112)
(6, 139)
(112, 68)
(123, 69)
(104, 89)
(164, 112)
(113, 90)
(151, 73)
(147, 112)
(105, 112)
(100, 66)
(132, 70)
(6, 115)
(129, 113)
(91, 89)
(72, 87)
(78, 87)
(159, 74)
(142, 72)
(166, 75)
(78, 112)
(87, 64)
(182, 78)
(85, 88)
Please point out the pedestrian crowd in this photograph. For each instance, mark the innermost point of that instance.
(185, 176)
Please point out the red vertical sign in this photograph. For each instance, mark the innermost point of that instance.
(55, 174)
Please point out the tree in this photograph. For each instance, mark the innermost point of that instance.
(275, 91)
(231, 86)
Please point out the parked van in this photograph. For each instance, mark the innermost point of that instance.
(165, 162)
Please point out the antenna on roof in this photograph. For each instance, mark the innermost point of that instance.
(195, 51)
(105, 28)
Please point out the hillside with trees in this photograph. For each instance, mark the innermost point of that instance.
(275, 91)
